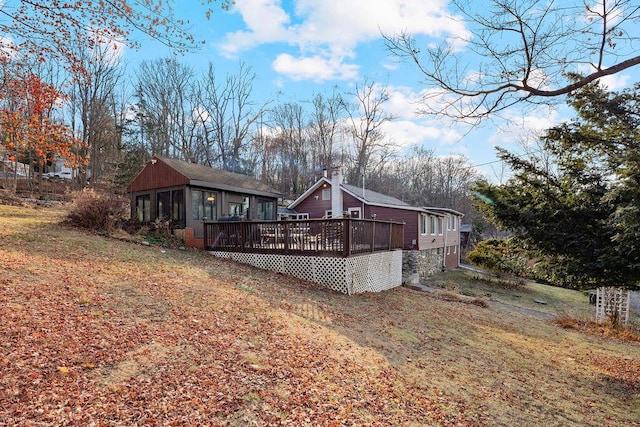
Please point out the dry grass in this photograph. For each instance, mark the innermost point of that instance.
(606, 329)
(101, 331)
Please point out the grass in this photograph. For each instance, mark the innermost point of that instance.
(102, 331)
(525, 294)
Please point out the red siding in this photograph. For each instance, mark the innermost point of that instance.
(157, 175)
(410, 218)
(314, 207)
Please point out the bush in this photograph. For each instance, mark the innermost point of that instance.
(97, 211)
(501, 257)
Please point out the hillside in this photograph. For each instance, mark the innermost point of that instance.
(98, 331)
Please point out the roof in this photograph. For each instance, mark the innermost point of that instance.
(443, 210)
(204, 176)
(373, 197)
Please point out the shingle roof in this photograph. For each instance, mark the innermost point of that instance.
(217, 177)
(370, 196)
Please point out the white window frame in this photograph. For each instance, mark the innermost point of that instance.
(326, 194)
(359, 210)
(424, 221)
(328, 214)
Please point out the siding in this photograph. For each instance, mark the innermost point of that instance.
(315, 208)
(410, 218)
(155, 176)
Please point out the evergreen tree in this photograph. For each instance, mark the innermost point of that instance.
(581, 213)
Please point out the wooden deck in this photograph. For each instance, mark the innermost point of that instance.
(340, 237)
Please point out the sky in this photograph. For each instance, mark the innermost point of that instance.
(298, 48)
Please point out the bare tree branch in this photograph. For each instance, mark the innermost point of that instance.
(520, 53)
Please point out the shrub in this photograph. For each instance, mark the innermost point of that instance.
(500, 256)
(97, 211)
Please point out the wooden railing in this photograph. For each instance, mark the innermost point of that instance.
(323, 237)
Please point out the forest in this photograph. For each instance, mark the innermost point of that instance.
(107, 121)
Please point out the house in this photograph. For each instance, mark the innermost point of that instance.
(431, 234)
(189, 194)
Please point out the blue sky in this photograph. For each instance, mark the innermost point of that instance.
(301, 47)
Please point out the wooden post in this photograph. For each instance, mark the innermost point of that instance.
(391, 227)
(373, 236)
(285, 236)
(346, 236)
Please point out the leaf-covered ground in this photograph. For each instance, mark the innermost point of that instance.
(96, 331)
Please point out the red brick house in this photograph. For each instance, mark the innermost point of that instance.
(433, 232)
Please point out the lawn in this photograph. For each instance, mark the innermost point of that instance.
(100, 331)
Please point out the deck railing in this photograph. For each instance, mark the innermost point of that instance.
(340, 237)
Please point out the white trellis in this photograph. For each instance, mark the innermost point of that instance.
(612, 303)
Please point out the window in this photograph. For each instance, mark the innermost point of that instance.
(423, 224)
(326, 194)
(328, 214)
(163, 205)
(433, 225)
(440, 225)
(354, 213)
(177, 205)
(235, 209)
(245, 207)
(204, 205)
(454, 221)
(448, 222)
(143, 208)
(266, 210)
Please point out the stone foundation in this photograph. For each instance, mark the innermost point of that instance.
(420, 265)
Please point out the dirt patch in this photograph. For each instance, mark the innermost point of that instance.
(135, 364)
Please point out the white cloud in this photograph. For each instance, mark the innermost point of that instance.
(521, 129)
(408, 129)
(8, 47)
(332, 29)
(616, 82)
(266, 23)
(314, 68)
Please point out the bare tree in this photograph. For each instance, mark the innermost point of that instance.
(94, 107)
(227, 115)
(324, 127)
(290, 140)
(421, 178)
(521, 53)
(369, 147)
(50, 30)
(167, 100)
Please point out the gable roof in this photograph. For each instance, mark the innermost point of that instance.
(310, 190)
(369, 197)
(204, 176)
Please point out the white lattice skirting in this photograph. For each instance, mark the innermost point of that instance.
(374, 272)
